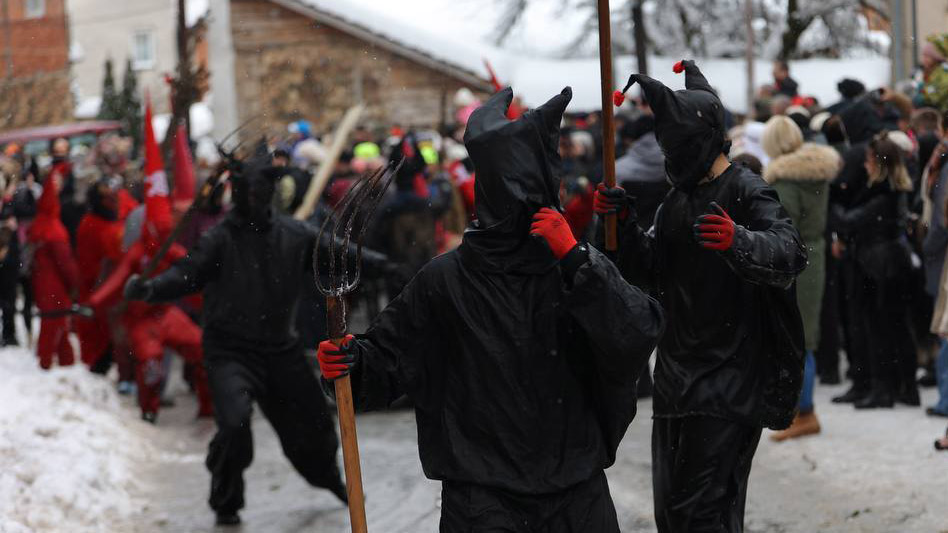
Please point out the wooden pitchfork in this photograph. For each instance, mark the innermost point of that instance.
(351, 217)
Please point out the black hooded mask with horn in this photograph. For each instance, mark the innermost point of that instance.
(689, 124)
(516, 165)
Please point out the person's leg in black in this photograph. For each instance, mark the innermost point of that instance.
(8, 308)
(296, 408)
(588, 506)
(898, 304)
(702, 485)
(882, 367)
(827, 352)
(464, 506)
(103, 363)
(857, 295)
(235, 380)
(26, 289)
(664, 452)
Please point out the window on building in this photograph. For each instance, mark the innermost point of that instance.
(35, 9)
(143, 50)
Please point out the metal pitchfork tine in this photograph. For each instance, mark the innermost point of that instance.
(352, 215)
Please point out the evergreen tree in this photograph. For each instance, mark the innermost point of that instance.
(131, 106)
(110, 109)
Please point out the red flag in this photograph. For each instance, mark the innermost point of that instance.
(184, 180)
(157, 206)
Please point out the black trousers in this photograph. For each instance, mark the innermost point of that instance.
(827, 353)
(853, 309)
(885, 313)
(586, 507)
(700, 467)
(285, 388)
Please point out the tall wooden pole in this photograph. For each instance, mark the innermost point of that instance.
(608, 120)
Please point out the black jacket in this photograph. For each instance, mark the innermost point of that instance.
(520, 382)
(522, 368)
(874, 227)
(734, 343)
(252, 281)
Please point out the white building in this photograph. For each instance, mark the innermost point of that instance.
(141, 30)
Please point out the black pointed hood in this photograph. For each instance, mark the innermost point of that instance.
(689, 124)
(517, 167)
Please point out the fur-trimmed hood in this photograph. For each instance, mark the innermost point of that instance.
(812, 162)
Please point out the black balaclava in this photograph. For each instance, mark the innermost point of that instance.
(103, 201)
(252, 191)
(516, 168)
(689, 125)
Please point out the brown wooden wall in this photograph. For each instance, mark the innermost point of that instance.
(287, 67)
(37, 100)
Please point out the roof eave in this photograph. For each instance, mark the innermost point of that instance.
(407, 52)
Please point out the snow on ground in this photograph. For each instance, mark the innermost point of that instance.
(75, 458)
(868, 472)
(67, 449)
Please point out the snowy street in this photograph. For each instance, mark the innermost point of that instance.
(96, 467)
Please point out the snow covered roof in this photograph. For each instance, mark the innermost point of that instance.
(536, 79)
(404, 39)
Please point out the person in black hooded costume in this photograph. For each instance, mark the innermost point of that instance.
(722, 257)
(521, 363)
(252, 268)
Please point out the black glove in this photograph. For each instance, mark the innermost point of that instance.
(137, 288)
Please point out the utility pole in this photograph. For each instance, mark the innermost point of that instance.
(749, 54)
(898, 41)
(638, 34)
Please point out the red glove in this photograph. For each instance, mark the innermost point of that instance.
(611, 200)
(552, 226)
(336, 361)
(715, 232)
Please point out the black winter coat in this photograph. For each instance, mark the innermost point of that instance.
(252, 281)
(734, 343)
(874, 227)
(520, 382)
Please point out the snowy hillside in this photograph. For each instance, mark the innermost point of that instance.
(67, 450)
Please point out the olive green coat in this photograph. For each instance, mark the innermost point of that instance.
(802, 179)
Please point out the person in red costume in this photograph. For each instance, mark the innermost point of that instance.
(149, 328)
(55, 276)
(98, 250)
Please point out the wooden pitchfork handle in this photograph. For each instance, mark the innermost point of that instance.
(335, 311)
(350, 453)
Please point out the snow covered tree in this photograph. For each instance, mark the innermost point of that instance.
(783, 28)
(131, 106)
(110, 108)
